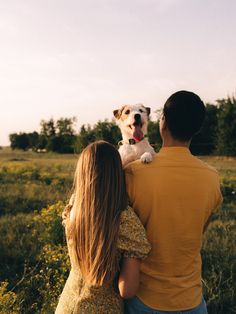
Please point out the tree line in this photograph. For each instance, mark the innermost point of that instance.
(217, 135)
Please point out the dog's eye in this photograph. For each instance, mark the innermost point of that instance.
(140, 110)
(127, 111)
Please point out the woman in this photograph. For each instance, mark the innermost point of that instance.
(102, 233)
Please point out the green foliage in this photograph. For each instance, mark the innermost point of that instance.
(19, 242)
(204, 143)
(85, 137)
(8, 299)
(61, 144)
(60, 138)
(48, 128)
(35, 260)
(228, 189)
(32, 184)
(20, 140)
(226, 135)
(65, 126)
(54, 136)
(53, 232)
(51, 277)
(38, 292)
(154, 135)
(33, 257)
(107, 131)
(219, 267)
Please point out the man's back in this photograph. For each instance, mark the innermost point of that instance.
(174, 197)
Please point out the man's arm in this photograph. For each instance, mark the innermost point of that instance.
(207, 223)
(215, 210)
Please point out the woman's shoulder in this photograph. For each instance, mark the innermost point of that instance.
(127, 213)
(132, 240)
(130, 220)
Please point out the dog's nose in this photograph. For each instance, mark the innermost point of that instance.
(137, 117)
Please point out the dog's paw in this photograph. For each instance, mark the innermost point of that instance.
(146, 158)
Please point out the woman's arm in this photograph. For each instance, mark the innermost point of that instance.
(129, 277)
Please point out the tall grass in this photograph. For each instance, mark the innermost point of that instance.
(33, 259)
(30, 182)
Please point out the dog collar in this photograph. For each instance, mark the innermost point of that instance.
(131, 141)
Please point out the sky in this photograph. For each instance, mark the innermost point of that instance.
(65, 58)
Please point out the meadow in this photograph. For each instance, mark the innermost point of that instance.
(33, 259)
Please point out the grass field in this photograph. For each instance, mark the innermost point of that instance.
(33, 259)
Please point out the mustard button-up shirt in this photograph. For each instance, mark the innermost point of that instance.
(173, 196)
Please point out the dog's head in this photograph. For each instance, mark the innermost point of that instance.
(133, 120)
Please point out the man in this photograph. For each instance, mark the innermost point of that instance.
(174, 196)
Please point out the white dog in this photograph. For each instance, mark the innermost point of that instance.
(133, 121)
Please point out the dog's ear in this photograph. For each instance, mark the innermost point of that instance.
(148, 110)
(117, 113)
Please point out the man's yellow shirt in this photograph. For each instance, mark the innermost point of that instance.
(173, 196)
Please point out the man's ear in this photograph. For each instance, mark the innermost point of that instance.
(117, 113)
(164, 124)
(148, 110)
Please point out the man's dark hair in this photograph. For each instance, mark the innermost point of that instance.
(184, 113)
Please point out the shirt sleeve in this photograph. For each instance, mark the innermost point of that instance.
(218, 198)
(218, 201)
(132, 240)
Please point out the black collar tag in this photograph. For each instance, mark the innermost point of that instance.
(132, 141)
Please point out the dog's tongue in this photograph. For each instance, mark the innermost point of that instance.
(138, 134)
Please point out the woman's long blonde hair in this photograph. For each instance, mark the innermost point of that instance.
(100, 196)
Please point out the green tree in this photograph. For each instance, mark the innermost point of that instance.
(48, 128)
(13, 140)
(20, 141)
(204, 143)
(65, 126)
(107, 131)
(47, 132)
(154, 134)
(226, 133)
(63, 141)
(58, 136)
(61, 144)
(42, 141)
(85, 137)
(33, 140)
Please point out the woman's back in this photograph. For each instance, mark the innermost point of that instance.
(100, 229)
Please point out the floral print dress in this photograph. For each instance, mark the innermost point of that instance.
(80, 298)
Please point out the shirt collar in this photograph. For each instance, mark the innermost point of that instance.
(175, 150)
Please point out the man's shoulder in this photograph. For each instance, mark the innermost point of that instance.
(139, 166)
(204, 165)
(160, 162)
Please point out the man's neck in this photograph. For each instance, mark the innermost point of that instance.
(170, 142)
